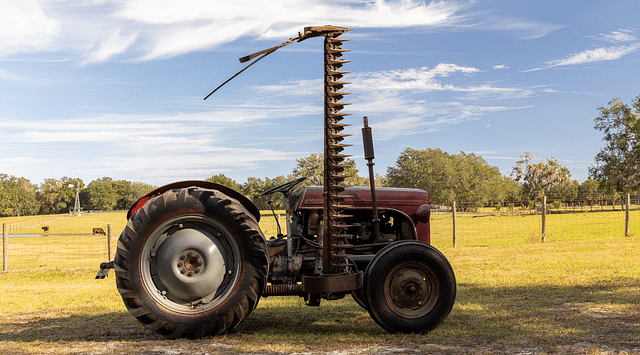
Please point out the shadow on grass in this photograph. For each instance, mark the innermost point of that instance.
(491, 319)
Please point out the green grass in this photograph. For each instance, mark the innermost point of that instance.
(578, 293)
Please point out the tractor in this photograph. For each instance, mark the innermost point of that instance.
(192, 260)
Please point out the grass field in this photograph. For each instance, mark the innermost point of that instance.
(578, 293)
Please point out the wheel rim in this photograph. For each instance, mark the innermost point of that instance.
(411, 289)
(190, 264)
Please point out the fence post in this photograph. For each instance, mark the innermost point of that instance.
(626, 217)
(108, 242)
(5, 250)
(453, 211)
(544, 219)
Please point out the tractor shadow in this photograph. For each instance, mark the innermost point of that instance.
(495, 319)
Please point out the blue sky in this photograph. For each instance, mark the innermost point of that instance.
(114, 88)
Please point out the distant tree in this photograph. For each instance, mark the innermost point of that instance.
(589, 188)
(58, 196)
(564, 191)
(129, 192)
(106, 194)
(542, 177)
(619, 161)
(102, 194)
(312, 167)
(223, 180)
(449, 177)
(254, 187)
(17, 196)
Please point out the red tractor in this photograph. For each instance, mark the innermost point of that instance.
(193, 261)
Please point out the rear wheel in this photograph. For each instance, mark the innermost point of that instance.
(410, 287)
(191, 263)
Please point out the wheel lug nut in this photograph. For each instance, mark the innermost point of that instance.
(179, 264)
(182, 257)
(200, 263)
(189, 254)
(197, 271)
(183, 271)
(197, 256)
(190, 274)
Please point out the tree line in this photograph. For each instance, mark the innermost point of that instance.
(20, 197)
(463, 177)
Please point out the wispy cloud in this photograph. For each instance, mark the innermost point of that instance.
(622, 35)
(595, 55)
(116, 44)
(24, 28)
(598, 54)
(408, 98)
(145, 30)
(150, 29)
(153, 148)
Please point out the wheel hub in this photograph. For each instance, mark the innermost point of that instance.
(190, 265)
(409, 289)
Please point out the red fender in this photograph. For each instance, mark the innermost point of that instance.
(197, 183)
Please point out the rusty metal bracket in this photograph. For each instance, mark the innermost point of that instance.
(332, 283)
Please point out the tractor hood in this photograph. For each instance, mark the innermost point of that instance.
(360, 197)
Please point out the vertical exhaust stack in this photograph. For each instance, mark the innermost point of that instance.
(367, 140)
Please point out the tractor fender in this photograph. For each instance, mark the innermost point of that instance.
(245, 202)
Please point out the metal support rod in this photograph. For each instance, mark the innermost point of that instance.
(108, 242)
(367, 140)
(626, 218)
(453, 217)
(544, 219)
(5, 246)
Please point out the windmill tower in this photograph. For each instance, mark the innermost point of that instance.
(76, 206)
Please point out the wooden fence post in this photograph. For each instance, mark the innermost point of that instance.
(5, 245)
(453, 211)
(544, 219)
(108, 242)
(626, 217)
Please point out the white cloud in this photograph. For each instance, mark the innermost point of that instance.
(7, 76)
(24, 27)
(595, 55)
(195, 25)
(116, 44)
(618, 36)
(152, 29)
(500, 66)
(150, 148)
(598, 54)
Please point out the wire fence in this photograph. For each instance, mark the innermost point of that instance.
(86, 241)
(560, 221)
(58, 241)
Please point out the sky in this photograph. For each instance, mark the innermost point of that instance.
(115, 88)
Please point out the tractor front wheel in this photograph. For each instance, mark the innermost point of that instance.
(191, 263)
(410, 287)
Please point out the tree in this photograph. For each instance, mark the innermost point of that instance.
(589, 189)
(312, 167)
(106, 194)
(17, 196)
(619, 160)
(129, 192)
(254, 187)
(449, 177)
(102, 194)
(58, 196)
(223, 180)
(542, 177)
